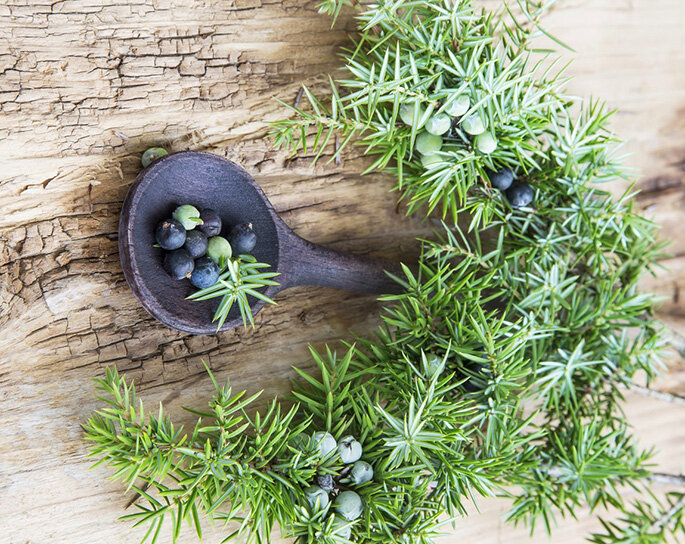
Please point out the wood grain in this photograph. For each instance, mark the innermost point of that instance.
(87, 85)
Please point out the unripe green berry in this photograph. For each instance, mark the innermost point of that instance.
(473, 125)
(349, 505)
(219, 249)
(458, 106)
(486, 143)
(349, 450)
(324, 442)
(407, 114)
(428, 143)
(361, 473)
(429, 160)
(434, 365)
(301, 442)
(438, 124)
(151, 155)
(188, 216)
(316, 497)
(341, 527)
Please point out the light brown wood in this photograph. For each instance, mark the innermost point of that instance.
(87, 85)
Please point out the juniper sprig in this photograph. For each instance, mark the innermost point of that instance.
(241, 277)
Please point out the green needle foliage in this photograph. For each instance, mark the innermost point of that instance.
(500, 368)
(241, 277)
(219, 464)
(647, 523)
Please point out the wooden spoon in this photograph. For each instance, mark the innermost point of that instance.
(208, 181)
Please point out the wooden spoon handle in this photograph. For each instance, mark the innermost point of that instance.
(311, 264)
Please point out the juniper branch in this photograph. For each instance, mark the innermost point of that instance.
(661, 478)
(500, 368)
(655, 393)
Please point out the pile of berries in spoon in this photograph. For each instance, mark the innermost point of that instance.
(194, 248)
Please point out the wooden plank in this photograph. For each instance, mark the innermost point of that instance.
(87, 85)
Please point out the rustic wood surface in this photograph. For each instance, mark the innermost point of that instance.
(87, 85)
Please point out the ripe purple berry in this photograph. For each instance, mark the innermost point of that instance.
(179, 264)
(520, 194)
(325, 482)
(242, 238)
(170, 234)
(501, 179)
(196, 243)
(211, 222)
(476, 370)
(205, 274)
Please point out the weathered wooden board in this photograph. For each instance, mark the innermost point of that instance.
(87, 85)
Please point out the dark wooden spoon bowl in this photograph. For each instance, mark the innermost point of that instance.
(208, 181)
